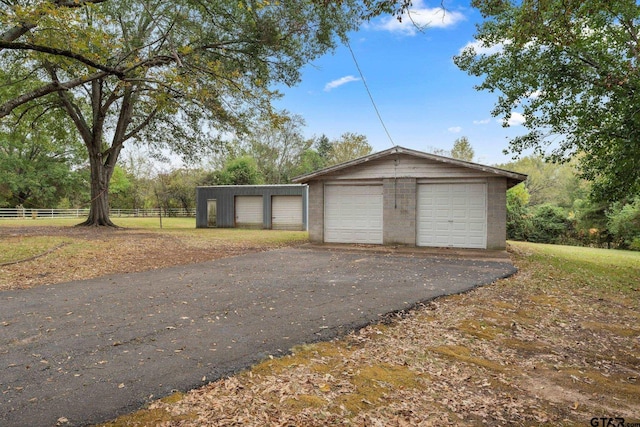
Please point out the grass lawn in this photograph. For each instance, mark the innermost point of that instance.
(556, 344)
(168, 223)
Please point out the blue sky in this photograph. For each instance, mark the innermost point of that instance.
(423, 98)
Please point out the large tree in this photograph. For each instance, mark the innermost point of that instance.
(549, 182)
(277, 147)
(174, 75)
(348, 147)
(571, 68)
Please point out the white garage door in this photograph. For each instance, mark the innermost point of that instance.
(286, 213)
(452, 215)
(353, 214)
(249, 211)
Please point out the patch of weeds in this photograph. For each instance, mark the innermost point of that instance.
(277, 365)
(503, 305)
(173, 398)
(318, 356)
(619, 330)
(479, 328)
(303, 401)
(527, 347)
(544, 299)
(496, 318)
(593, 382)
(426, 318)
(372, 383)
(152, 417)
(463, 354)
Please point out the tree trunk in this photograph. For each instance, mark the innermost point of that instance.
(100, 178)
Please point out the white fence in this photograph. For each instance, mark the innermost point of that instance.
(24, 213)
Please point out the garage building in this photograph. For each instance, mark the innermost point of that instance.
(408, 197)
(278, 207)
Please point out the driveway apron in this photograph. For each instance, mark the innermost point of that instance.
(87, 351)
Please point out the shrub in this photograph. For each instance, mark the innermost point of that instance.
(624, 224)
(549, 224)
(518, 216)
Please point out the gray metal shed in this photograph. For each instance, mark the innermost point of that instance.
(252, 206)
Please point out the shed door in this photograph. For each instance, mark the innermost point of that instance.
(353, 214)
(249, 212)
(212, 213)
(452, 215)
(286, 213)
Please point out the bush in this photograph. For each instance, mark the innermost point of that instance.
(239, 171)
(518, 216)
(549, 224)
(624, 224)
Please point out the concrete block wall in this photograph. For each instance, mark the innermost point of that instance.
(496, 213)
(316, 211)
(399, 211)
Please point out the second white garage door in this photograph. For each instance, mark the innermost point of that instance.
(249, 212)
(286, 213)
(452, 215)
(353, 214)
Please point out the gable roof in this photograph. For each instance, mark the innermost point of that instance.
(513, 178)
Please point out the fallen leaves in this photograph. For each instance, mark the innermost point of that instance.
(93, 252)
(518, 352)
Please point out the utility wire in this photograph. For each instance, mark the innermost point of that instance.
(369, 92)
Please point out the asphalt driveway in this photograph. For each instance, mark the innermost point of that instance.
(94, 349)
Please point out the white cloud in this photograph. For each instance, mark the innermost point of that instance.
(339, 82)
(481, 49)
(516, 119)
(534, 95)
(455, 129)
(481, 122)
(421, 17)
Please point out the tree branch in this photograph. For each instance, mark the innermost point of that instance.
(141, 125)
(71, 4)
(60, 52)
(73, 111)
(18, 31)
(9, 106)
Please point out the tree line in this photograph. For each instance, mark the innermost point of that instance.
(554, 205)
(37, 174)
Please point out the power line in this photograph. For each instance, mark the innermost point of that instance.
(369, 93)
